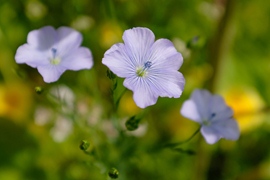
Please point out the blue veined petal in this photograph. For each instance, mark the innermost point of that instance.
(166, 83)
(142, 92)
(189, 110)
(81, 58)
(68, 40)
(163, 55)
(30, 56)
(119, 62)
(138, 42)
(220, 109)
(42, 39)
(227, 128)
(210, 134)
(202, 98)
(51, 73)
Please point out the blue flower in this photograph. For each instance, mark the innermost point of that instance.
(215, 117)
(53, 52)
(150, 67)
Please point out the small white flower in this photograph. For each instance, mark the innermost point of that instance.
(215, 117)
(53, 52)
(150, 67)
(62, 129)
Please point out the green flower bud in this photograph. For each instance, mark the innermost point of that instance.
(84, 145)
(113, 173)
(132, 123)
(39, 90)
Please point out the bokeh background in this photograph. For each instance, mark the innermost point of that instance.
(226, 49)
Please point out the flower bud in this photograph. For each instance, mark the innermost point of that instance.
(132, 123)
(39, 90)
(84, 145)
(113, 173)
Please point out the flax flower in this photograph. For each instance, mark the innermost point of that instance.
(150, 67)
(215, 117)
(53, 52)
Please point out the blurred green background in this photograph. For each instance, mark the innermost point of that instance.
(226, 49)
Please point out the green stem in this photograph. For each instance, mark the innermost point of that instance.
(117, 101)
(173, 145)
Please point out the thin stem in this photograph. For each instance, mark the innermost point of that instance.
(117, 101)
(173, 145)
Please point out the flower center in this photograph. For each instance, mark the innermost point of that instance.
(142, 71)
(208, 122)
(55, 60)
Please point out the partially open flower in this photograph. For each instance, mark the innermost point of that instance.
(215, 117)
(53, 52)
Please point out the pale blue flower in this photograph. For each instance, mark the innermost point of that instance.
(53, 52)
(215, 117)
(150, 67)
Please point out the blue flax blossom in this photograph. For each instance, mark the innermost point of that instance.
(53, 52)
(215, 117)
(150, 67)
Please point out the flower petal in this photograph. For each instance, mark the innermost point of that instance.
(43, 38)
(202, 98)
(228, 129)
(166, 83)
(142, 94)
(189, 110)
(138, 42)
(27, 54)
(51, 73)
(81, 58)
(220, 109)
(164, 55)
(119, 62)
(210, 135)
(68, 40)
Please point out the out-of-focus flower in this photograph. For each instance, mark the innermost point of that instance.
(64, 95)
(53, 52)
(150, 68)
(35, 10)
(62, 129)
(15, 101)
(247, 106)
(213, 114)
(43, 115)
(83, 22)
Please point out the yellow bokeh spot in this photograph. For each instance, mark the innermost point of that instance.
(127, 106)
(111, 33)
(246, 105)
(15, 101)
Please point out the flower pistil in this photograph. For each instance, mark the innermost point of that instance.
(142, 71)
(55, 60)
